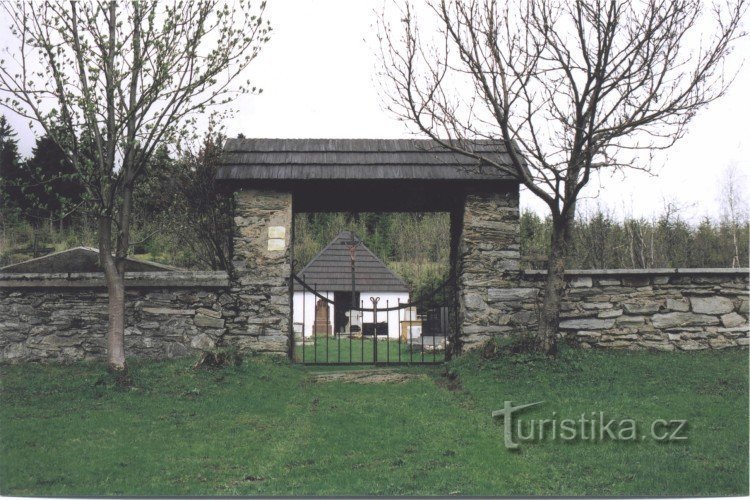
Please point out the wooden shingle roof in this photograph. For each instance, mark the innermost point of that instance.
(355, 159)
(330, 270)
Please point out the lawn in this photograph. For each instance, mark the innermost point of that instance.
(265, 428)
(331, 350)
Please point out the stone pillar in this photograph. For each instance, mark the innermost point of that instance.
(262, 262)
(488, 259)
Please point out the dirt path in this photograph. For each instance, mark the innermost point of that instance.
(376, 376)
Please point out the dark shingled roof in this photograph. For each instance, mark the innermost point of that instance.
(331, 271)
(355, 159)
(78, 260)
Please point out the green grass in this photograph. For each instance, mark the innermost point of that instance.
(322, 350)
(265, 428)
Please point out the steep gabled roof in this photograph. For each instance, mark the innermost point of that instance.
(356, 159)
(331, 270)
(78, 260)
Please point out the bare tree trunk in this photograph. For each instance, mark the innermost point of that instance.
(641, 247)
(116, 330)
(736, 258)
(631, 241)
(733, 222)
(549, 320)
(35, 244)
(651, 264)
(116, 294)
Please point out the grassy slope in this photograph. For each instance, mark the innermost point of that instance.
(263, 428)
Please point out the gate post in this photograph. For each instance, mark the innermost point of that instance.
(262, 268)
(487, 259)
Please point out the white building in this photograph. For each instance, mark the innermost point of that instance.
(330, 274)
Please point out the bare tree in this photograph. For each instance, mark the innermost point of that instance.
(201, 206)
(734, 205)
(569, 89)
(110, 82)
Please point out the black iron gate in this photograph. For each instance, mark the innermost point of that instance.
(426, 330)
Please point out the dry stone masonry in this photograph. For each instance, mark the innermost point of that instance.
(488, 262)
(662, 309)
(262, 265)
(63, 317)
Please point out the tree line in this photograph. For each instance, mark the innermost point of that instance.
(179, 218)
(42, 188)
(600, 240)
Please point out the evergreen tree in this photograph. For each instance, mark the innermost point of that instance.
(10, 171)
(53, 188)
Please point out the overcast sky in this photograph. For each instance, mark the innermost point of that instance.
(318, 74)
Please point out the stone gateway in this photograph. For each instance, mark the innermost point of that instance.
(60, 315)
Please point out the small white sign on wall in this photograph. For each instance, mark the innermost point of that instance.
(276, 238)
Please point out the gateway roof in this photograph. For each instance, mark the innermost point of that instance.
(356, 159)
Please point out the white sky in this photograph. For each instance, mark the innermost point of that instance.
(318, 75)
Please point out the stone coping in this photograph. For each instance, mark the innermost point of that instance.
(668, 271)
(150, 279)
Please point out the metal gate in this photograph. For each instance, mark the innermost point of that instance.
(426, 330)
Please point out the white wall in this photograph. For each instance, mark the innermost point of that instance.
(386, 300)
(307, 306)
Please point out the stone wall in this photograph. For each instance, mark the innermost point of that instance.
(488, 255)
(664, 309)
(63, 317)
(262, 263)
